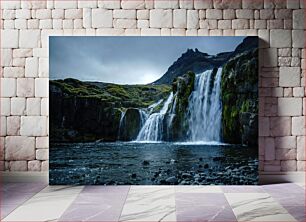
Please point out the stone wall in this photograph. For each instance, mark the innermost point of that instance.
(26, 26)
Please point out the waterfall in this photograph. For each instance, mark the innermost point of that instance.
(152, 130)
(121, 124)
(205, 108)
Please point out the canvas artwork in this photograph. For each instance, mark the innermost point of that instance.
(153, 110)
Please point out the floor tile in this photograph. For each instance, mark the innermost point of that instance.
(242, 189)
(47, 205)
(97, 203)
(22, 187)
(149, 203)
(283, 188)
(298, 212)
(290, 199)
(203, 207)
(198, 189)
(257, 207)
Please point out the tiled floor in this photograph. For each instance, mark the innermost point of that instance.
(39, 202)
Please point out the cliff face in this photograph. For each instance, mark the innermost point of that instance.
(182, 88)
(76, 119)
(81, 112)
(240, 99)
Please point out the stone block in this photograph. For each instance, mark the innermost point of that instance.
(13, 72)
(31, 67)
(298, 19)
(298, 126)
(86, 18)
(143, 14)
(22, 53)
(43, 13)
(289, 76)
(25, 87)
(9, 38)
(214, 14)
(229, 14)
(18, 106)
(283, 14)
(44, 106)
(8, 14)
(270, 57)
(19, 148)
(245, 14)
(13, 125)
(269, 148)
(133, 4)
(288, 165)
(73, 13)
(192, 19)
(264, 126)
(301, 166)
(18, 166)
(102, 18)
(160, 18)
(301, 148)
(10, 5)
(58, 13)
(186, 4)
(240, 24)
(285, 142)
(33, 106)
(5, 106)
(298, 38)
(280, 38)
(165, 4)
(293, 4)
(8, 87)
(33, 126)
(43, 70)
(34, 165)
(298, 92)
(125, 23)
(45, 165)
(109, 4)
(41, 87)
(42, 154)
(6, 57)
(29, 38)
(3, 127)
(87, 4)
(65, 4)
(142, 23)
(224, 24)
(227, 4)
(252, 4)
(280, 126)
(127, 14)
(203, 4)
(150, 32)
(285, 154)
(289, 106)
(179, 18)
(42, 142)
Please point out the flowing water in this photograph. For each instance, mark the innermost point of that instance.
(205, 108)
(152, 163)
(152, 130)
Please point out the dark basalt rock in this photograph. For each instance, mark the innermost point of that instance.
(130, 125)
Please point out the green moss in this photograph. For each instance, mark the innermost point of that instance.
(239, 93)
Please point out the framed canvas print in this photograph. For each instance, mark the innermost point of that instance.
(153, 110)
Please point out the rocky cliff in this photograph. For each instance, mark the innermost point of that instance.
(240, 99)
(82, 111)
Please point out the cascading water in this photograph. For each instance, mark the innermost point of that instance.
(121, 124)
(152, 130)
(205, 108)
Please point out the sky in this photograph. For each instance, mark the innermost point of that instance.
(125, 60)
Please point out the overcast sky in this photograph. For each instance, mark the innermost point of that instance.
(126, 60)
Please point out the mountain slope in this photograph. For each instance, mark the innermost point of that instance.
(198, 62)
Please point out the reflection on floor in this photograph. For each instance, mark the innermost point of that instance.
(39, 202)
